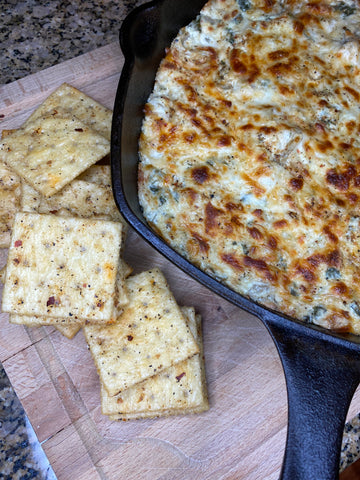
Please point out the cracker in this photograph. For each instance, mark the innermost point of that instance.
(69, 99)
(2, 274)
(148, 337)
(62, 267)
(49, 152)
(180, 389)
(120, 301)
(97, 174)
(68, 330)
(79, 198)
(7, 132)
(30, 198)
(10, 196)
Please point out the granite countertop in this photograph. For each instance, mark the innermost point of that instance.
(35, 35)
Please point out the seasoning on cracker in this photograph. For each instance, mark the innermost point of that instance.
(69, 330)
(79, 198)
(62, 267)
(67, 98)
(149, 336)
(10, 194)
(97, 174)
(180, 389)
(49, 152)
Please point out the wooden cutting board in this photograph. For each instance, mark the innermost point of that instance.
(243, 434)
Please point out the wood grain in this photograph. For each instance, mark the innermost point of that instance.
(243, 434)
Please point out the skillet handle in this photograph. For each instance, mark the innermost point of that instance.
(321, 378)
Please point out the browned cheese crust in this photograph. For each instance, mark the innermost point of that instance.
(249, 153)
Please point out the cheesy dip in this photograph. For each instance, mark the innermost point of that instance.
(250, 153)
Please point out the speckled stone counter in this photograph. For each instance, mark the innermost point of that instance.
(21, 455)
(35, 35)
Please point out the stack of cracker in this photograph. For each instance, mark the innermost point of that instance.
(50, 166)
(150, 362)
(65, 268)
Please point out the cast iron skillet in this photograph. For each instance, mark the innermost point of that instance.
(322, 369)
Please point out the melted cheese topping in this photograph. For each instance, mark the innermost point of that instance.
(249, 153)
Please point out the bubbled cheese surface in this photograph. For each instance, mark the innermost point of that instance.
(249, 153)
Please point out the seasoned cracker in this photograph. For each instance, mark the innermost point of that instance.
(69, 99)
(79, 198)
(120, 301)
(180, 389)
(62, 267)
(97, 174)
(148, 337)
(69, 330)
(2, 274)
(10, 195)
(49, 152)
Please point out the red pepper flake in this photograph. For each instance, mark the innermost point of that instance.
(79, 130)
(51, 301)
(18, 243)
(179, 377)
(130, 338)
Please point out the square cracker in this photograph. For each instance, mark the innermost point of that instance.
(179, 389)
(49, 152)
(149, 336)
(62, 267)
(68, 325)
(68, 330)
(97, 174)
(69, 99)
(79, 198)
(10, 197)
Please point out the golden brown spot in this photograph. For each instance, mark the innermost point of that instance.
(224, 141)
(306, 273)
(324, 146)
(231, 260)
(280, 224)
(341, 181)
(316, 259)
(284, 90)
(248, 126)
(255, 233)
(298, 27)
(272, 242)
(297, 183)
(334, 258)
(258, 213)
(331, 236)
(200, 174)
(352, 92)
(211, 215)
(259, 265)
(339, 289)
(278, 54)
(202, 243)
(236, 64)
(189, 137)
(268, 130)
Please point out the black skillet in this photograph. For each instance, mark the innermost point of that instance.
(322, 369)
